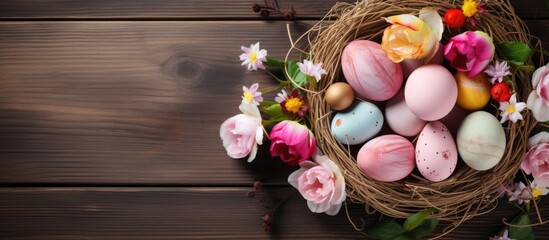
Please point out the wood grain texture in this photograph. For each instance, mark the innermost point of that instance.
(130, 102)
(161, 9)
(170, 213)
(190, 9)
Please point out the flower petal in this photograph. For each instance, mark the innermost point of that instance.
(538, 107)
(431, 17)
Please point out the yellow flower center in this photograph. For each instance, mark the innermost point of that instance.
(293, 105)
(469, 8)
(253, 56)
(510, 109)
(536, 192)
(248, 97)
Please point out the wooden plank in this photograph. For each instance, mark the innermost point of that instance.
(190, 9)
(169, 213)
(130, 102)
(126, 102)
(162, 9)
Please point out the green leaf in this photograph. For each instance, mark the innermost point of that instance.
(523, 233)
(404, 236)
(418, 218)
(385, 230)
(515, 52)
(267, 103)
(299, 78)
(275, 113)
(273, 110)
(426, 227)
(271, 62)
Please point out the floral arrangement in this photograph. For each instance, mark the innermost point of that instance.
(412, 47)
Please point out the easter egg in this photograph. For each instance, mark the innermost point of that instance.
(400, 118)
(339, 96)
(387, 158)
(357, 124)
(409, 65)
(473, 93)
(481, 140)
(369, 71)
(436, 153)
(431, 92)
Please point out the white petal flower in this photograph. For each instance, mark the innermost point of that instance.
(511, 110)
(253, 57)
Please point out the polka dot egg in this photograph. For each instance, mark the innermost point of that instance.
(358, 124)
(436, 152)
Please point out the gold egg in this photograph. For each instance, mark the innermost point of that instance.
(339, 96)
(473, 93)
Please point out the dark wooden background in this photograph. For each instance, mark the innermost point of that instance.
(110, 114)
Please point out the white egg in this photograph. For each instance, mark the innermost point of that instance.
(481, 140)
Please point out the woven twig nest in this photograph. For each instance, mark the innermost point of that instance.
(467, 192)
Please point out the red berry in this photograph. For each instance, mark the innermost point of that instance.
(500, 92)
(454, 18)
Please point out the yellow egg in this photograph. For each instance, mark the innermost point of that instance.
(339, 96)
(473, 93)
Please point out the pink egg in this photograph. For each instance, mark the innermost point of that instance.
(400, 118)
(369, 71)
(436, 152)
(387, 158)
(431, 92)
(409, 65)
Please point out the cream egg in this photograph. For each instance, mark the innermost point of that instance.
(481, 140)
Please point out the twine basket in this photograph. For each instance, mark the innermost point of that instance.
(465, 194)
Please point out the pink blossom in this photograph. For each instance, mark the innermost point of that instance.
(242, 133)
(321, 184)
(521, 193)
(538, 101)
(251, 95)
(311, 69)
(470, 52)
(536, 161)
(498, 71)
(253, 57)
(292, 142)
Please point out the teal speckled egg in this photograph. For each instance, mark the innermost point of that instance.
(357, 124)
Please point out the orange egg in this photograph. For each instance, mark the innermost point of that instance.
(339, 96)
(473, 93)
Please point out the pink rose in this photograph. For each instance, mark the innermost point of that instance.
(538, 101)
(292, 142)
(536, 161)
(470, 52)
(242, 133)
(321, 184)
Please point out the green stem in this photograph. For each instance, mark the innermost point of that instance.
(277, 79)
(545, 53)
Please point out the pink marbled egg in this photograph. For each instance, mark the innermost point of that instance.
(436, 152)
(369, 71)
(387, 158)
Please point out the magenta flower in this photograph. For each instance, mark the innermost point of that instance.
(242, 133)
(253, 57)
(536, 161)
(292, 142)
(470, 52)
(498, 71)
(321, 184)
(251, 95)
(311, 69)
